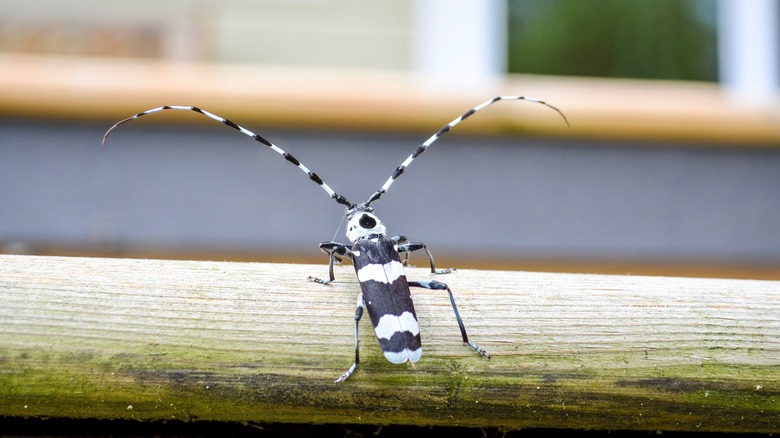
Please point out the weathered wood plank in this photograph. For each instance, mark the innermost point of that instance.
(150, 339)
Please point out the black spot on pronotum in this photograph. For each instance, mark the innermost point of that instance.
(367, 222)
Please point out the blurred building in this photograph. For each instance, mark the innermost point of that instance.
(457, 42)
(662, 176)
(453, 40)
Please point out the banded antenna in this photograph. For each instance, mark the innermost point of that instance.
(287, 156)
(313, 176)
(445, 129)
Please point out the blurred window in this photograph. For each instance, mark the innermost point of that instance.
(650, 39)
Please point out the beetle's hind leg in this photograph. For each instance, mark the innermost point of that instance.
(437, 285)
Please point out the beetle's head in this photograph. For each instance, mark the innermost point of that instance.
(362, 222)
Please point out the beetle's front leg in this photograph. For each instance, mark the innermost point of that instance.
(405, 247)
(333, 249)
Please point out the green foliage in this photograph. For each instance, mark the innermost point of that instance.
(653, 39)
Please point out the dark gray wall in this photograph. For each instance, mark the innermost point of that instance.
(206, 188)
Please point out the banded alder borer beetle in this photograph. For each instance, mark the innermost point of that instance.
(384, 287)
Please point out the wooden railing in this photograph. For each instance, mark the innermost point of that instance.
(92, 338)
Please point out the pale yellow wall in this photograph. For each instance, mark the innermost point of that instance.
(320, 33)
(333, 33)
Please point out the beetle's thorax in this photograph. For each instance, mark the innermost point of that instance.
(362, 223)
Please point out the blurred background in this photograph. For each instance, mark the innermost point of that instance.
(671, 165)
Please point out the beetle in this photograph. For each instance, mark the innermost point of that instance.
(385, 290)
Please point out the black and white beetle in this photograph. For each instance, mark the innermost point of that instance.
(376, 258)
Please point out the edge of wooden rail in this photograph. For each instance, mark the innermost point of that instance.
(154, 340)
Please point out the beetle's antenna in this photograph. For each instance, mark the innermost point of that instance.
(287, 156)
(445, 129)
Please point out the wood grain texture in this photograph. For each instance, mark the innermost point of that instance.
(150, 339)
